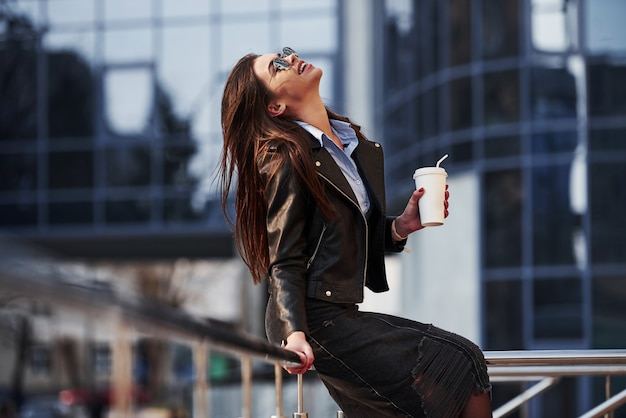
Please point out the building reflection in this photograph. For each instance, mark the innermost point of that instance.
(524, 97)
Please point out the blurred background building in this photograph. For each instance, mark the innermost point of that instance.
(110, 134)
(527, 98)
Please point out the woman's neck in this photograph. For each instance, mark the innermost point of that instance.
(315, 114)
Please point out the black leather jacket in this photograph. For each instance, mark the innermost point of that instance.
(312, 257)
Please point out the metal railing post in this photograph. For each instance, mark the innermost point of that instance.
(300, 413)
(278, 386)
(607, 406)
(201, 387)
(524, 397)
(607, 390)
(121, 371)
(246, 383)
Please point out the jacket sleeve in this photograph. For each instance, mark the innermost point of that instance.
(286, 221)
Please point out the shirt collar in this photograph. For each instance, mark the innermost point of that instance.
(342, 129)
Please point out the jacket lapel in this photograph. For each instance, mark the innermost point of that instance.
(369, 160)
(368, 157)
(330, 172)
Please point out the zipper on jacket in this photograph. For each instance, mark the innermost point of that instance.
(317, 247)
(367, 246)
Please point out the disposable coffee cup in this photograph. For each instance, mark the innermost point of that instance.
(433, 180)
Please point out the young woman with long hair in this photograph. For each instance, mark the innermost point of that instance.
(310, 219)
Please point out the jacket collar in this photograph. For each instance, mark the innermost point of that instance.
(368, 157)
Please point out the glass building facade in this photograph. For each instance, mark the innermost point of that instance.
(528, 94)
(109, 116)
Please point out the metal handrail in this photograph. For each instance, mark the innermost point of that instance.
(25, 272)
(548, 366)
(144, 314)
(555, 357)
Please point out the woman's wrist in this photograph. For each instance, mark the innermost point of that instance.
(394, 232)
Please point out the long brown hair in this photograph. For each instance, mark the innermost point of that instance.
(248, 129)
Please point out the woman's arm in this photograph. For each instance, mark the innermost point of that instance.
(286, 208)
(286, 223)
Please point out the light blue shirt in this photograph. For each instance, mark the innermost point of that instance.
(343, 156)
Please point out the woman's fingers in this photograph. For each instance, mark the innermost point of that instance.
(306, 361)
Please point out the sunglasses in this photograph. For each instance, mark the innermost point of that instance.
(280, 63)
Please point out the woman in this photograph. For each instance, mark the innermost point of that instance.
(310, 219)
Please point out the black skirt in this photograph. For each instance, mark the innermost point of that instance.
(377, 365)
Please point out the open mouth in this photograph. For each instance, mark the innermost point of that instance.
(302, 67)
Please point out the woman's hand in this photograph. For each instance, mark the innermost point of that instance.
(297, 343)
(409, 221)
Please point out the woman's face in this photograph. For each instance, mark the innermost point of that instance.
(291, 85)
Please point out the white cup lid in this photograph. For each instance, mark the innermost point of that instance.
(430, 170)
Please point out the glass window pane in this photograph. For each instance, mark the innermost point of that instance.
(18, 214)
(604, 26)
(70, 170)
(609, 312)
(81, 44)
(40, 360)
(70, 213)
(127, 166)
(462, 152)
(203, 167)
(557, 309)
(71, 96)
(303, 5)
(460, 100)
(244, 38)
(176, 161)
(459, 22)
(327, 87)
(608, 200)
(19, 94)
(555, 227)
(427, 35)
(507, 146)
(549, 31)
(554, 142)
(503, 313)
(244, 6)
(191, 8)
(127, 211)
(61, 12)
(430, 109)
(553, 93)
(500, 28)
(124, 9)
(607, 140)
(101, 357)
(399, 17)
(395, 75)
(607, 84)
(297, 34)
(186, 86)
(128, 45)
(502, 226)
(179, 210)
(29, 9)
(18, 172)
(129, 99)
(501, 98)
